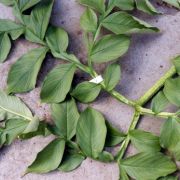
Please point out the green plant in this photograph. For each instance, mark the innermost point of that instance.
(86, 134)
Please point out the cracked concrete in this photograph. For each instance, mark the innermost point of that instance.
(147, 60)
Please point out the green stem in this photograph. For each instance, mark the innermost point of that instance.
(121, 98)
(126, 142)
(141, 111)
(144, 111)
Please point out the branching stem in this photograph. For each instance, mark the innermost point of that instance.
(139, 110)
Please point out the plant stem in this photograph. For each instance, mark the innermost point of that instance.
(144, 111)
(126, 142)
(121, 98)
(141, 111)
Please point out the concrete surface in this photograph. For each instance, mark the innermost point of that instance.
(148, 59)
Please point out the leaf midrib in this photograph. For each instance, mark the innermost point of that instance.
(12, 112)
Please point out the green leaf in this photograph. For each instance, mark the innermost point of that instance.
(124, 23)
(26, 4)
(7, 2)
(23, 74)
(30, 36)
(72, 147)
(13, 128)
(114, 136)
(123, 174)
(145, 141)
(174, 3)
(171, 90)
(110, 47)
(151, 165)
(98, 5)
(49, 158)
(91, 132)
(146, 6)
(41, 131)
(159, 102)
(65, 116)
(5, 46)
(58, 83)
(86, 92)
(57, 39)
(67, 57)
(123, 4)
(10, 27)
(176, 62)
(170, 137)
(17, 12)
(112, 76)
(168, 178)
(13, 107)
(39, 20)
(89, 20)
(32, 126)
(71, 162)
(105, 157)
